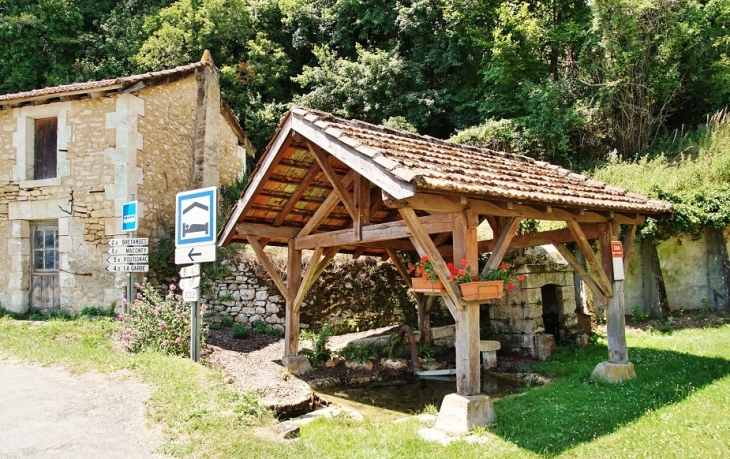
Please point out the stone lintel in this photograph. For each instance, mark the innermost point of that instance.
(461, 413)
(613, 372)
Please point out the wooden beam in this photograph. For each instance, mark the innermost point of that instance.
(308, 279)
(602, 280)
(270, 232)
(334, 179)
(269, 266)
(279, 144)
(329, 255)
(324, 210)
(359, 252)
(293, 279)
(423, 240)
(402, 270)
(298, 193)
(362, 205)
(582, 272)
(502, 244)
(374, 233)
(422, 201)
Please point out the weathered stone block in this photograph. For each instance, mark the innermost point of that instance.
(460, 413)
(613, 372)
(296, 364)
(486, 346)
(262, 295)
(248, 294)
(527, 326)
(272, 308)
(544, 346)
(443, 332)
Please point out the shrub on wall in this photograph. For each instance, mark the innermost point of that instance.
(157, 322)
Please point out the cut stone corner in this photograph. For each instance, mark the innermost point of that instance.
(296, 364)
(613, 373)
(461, 413)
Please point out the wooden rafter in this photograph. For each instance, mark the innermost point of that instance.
(602, 280)
(297, 195)
(362, 205)
(334, 179)
(269, 266)
(402, 270)
(324, 210)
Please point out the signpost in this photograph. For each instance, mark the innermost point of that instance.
(129, 217)
(195, 232)
(617, 255)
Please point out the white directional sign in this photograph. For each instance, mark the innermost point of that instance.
(191, 295)
(128, 259)
(128, 241)
(128, 268)
(190, 283)
(190, 271)
(195, 217)
(129, 216)
(127, 250)
(196, 254)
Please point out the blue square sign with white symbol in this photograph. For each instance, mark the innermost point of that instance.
(129, 216)
(195, 217)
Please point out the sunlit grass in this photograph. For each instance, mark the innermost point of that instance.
(676, 407)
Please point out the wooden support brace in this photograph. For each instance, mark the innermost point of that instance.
(582, 272)
(308, 279)
(628, 243)
(362, 205)
(269, 266)
(602, 281)
(329, 255)
(424, 242)
(509, 229)
(326, 207)
(334, 179)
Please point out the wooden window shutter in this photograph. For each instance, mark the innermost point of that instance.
(46, 156)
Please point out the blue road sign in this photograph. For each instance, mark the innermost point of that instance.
(195, 217)
(129, 217)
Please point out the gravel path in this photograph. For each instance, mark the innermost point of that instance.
(46, 412)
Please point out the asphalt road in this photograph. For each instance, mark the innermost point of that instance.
(46, 412)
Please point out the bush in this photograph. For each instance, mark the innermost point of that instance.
(157, 323)
(240, 331)
(320, 353)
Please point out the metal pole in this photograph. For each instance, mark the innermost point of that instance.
(194, 332)
(130, 295)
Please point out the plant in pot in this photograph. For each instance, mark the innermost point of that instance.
(425, 279)
(484, 286)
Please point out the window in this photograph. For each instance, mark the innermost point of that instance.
(45, 140)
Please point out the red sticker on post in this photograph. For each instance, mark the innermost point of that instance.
(617, 253)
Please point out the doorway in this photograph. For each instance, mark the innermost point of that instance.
(550, 316)
(45, 291)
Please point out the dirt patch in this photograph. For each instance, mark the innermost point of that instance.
(680, 320)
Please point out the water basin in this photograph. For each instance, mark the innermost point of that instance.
(378, 401)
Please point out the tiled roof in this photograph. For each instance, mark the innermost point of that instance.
(443, 166)
(92, 86)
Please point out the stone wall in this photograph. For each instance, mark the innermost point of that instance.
(352, 294)
(108, 148)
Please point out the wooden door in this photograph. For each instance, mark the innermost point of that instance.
(45, 291)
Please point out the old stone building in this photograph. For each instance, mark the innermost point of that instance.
(71, 155)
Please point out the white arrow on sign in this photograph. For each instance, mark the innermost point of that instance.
(128, 268)
(197, 254)
(129, 259)
(127, 250)
(120, 242)
(190, 271)
(190, 283)
(191, 295)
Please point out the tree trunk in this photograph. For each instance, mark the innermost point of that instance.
(654, 280)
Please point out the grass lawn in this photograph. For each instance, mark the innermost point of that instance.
(677, 406)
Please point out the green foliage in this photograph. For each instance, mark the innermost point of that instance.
(320, 353)
(425, 351)
(360, 353)
(229, 195)
(240, 331)
(396, 344)
(216, 270)
(97, 311)
(162, 258)
(226, 321)
(157, 323)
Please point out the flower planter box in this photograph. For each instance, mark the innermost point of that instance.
(482, 290)
(422, 285)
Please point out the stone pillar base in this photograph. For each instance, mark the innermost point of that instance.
(461, 413)
(296, 364)
(613, 372)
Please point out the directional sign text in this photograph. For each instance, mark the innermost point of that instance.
(127, 250)
(190, 271)
(128, 268)
(128, 241)
(190, 283)
(129, 259)
(191, 295)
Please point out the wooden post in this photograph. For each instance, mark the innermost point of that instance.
(615, 318)
(467, 320)
(424, 316)
(293, 280)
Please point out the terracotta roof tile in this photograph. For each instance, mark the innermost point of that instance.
(439, 165)
(91, 86)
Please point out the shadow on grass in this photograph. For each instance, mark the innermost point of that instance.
(552, 419)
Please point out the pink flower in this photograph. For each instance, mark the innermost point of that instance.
(172, 286)
(144, 279)
(137, 286)
(106, 335)
(165, 343)
(124, 301)
(139, 296)
(178, 340)
(158, 310)
(162, 325)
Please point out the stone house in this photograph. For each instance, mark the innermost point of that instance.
(71, 156)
